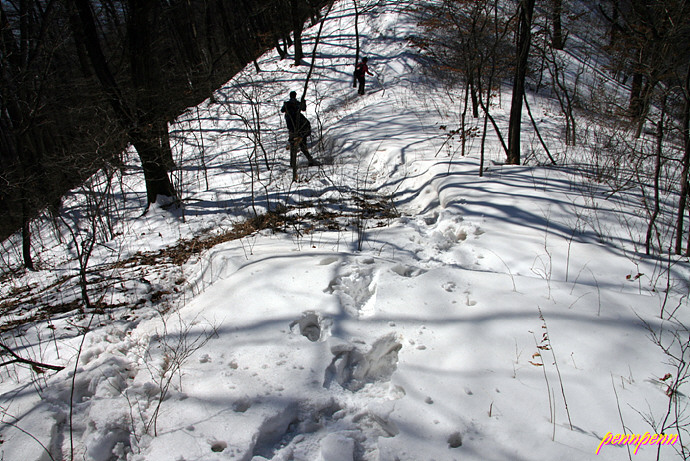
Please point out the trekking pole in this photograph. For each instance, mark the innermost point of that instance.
(313, 53)
(383, 88)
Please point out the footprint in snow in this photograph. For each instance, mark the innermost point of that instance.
(312, 326)
(352, 367)
(356, 290)
(407, 271)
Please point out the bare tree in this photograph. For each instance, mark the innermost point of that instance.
(557, 37)
(297, 15)
(467, 39)
(651, 41)
(148, 136)
(656, 207)
(354, 79)
(78, 73)
(524, 39)
(685, 168)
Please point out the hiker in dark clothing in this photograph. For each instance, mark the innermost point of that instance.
(299, 130)
(361, 70)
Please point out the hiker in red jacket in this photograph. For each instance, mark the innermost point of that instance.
(361, 70)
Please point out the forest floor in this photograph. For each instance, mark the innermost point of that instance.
(393, 304)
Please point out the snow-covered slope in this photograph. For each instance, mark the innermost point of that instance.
(429, 314)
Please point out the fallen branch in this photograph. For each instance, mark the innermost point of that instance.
(36, 366)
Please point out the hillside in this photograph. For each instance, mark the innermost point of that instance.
(393, 304)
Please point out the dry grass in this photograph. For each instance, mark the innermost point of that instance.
(28, 304)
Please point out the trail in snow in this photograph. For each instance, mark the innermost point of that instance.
(398, 337)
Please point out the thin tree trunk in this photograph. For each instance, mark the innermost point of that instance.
(203, 149)
(483, 144)
(485, 108)
(297, 27)
(536, 130)
(85, 28)
(354, 79)
(26, 238)
(282, 49)
(613, 35)
(463, 116)
(657, 174)
(313, 53)
(473, 95)
(557, 40)
(524, 40)
(564, 100)
(682, 201)
(644, 105)
(635, 104)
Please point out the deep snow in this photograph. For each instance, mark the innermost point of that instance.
(496, 317)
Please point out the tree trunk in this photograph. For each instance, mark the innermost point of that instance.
(644, 105)
(85, 29)
(536, 130)
(473, 95)
(166, 150)
(356, 31)
(635, 104)
(26, 239)
(523, 41)
(657, 174)
(463, 116)
(282, 49)
(682, 201)
(613, 32)
(153, 160)
(297, 27)
(149, 136)
(313, 53)
(557, 40)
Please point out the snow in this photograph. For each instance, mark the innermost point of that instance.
(503, 316)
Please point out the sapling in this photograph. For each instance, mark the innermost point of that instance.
(552, 407)
(510, 273)
(620, 414)
(675, 415)
(546, 345)
(5, 422)
(85, 330)
(177, 348)
(555, 362)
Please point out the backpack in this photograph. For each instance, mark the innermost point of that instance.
(358, 71)
(303, 126)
